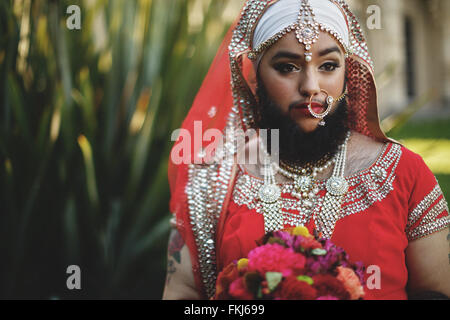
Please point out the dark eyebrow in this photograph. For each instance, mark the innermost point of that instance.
(329, 50)
(286, 54)
(291, 55)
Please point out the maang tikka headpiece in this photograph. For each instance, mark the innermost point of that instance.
(305, 23)
(307, 30)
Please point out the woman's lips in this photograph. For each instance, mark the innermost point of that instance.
(303, 108)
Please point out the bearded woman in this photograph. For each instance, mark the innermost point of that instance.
(302, 67)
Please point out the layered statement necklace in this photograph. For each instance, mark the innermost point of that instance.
(304, 178)
(305, 189)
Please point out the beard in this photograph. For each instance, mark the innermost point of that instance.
(296, 146)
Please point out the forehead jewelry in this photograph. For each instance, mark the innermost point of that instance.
(307, 30)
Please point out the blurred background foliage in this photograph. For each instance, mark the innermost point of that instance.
(86, 118)
(85, 122)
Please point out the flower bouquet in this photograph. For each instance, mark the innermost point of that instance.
(292, 265)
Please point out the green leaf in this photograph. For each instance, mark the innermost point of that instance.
(91, 183)
(103, 197)
(306, 279)
(259, 295)
(18, 106)
(319, 252)
(273, 279)
(274, 240)
(253, 282)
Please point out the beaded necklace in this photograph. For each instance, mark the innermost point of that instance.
(304, 180)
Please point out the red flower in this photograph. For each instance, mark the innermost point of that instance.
(293, 289)
(238, 290)
(276, 258)
(309, 243)
(224, 279)
(327, 285)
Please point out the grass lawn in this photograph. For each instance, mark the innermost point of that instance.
(430, 139)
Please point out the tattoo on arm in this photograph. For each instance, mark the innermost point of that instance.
(448, 239)
(176, 243)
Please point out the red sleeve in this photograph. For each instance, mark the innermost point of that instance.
(427, 208)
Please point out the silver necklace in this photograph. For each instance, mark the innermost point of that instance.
(305, 182)
(269, 194)
(336, 185)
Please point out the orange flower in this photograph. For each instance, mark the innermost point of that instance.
(225, 278)
(351, 282)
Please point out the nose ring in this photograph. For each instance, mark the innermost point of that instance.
(329, 100)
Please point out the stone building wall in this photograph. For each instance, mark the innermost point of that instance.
(411, 52)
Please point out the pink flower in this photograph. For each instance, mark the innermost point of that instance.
(275, 258)
(351, 282)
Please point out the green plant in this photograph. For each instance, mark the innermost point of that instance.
(86, 118)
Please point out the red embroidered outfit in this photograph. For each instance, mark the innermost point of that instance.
(395, 201)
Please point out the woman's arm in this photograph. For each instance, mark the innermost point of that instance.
(180, 283)
(428, 264)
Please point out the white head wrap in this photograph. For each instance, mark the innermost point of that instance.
(285, 12)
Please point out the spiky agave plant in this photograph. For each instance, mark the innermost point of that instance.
(85, 120)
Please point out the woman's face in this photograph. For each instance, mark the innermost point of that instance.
(290, 81)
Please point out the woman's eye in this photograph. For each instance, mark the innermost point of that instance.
(330, 66)
(286, 68)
